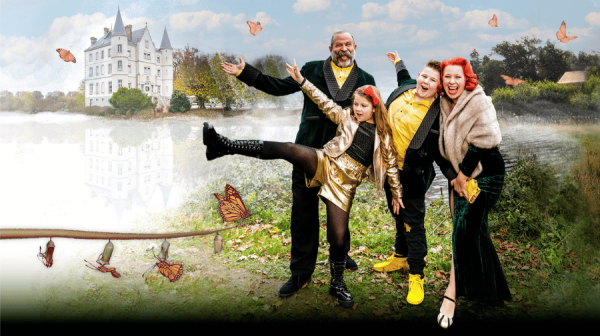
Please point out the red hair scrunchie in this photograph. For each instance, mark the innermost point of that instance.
(369, 92)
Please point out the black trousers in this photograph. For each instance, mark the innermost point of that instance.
(305, 226)
(411, 238)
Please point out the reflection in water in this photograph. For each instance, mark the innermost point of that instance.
(132, 174)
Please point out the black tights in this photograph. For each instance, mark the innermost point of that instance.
(306, 159)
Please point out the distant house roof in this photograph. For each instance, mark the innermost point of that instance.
(574, 77)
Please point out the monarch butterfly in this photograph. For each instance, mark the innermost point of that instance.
(512, 81)
(66, 55)
(46, 258)
(562, 34)
(255, 28)
(102, 268)
(171, 270)
(494, 21)
(231, 206)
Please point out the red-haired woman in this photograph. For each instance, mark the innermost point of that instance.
(469, 139)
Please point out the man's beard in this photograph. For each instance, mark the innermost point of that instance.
(335, 57)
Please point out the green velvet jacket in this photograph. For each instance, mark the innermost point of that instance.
(315, 128)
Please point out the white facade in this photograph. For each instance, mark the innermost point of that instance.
(126, 58)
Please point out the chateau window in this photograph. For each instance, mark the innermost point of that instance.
(91, 71)
(120, 65)
(146, 43)
(96, 88)
(119, 84)
(102, 54)
(97, 71)
(158, 89)
(119, 186)
(109, 50)
(109, 69)
(90, 57)
(102, 70)
(109, 88)
(96, 55)
(158, 59)
(129, 68)
(129, 85)
(129, 52)
(119, 48)
(158, 73)
(102, 87)
(147, 88)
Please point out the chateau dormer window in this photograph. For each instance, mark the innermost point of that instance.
(146, 43)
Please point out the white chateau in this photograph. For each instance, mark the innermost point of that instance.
(126, 58)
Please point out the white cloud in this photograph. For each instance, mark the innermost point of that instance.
(462, 49)
(422, 36)
(478, 19)
(542, 34)
(264, 19)
(207, 19)
(376, 29)
(425, 55)
(400, 10)
(309, 6)
(593, 18)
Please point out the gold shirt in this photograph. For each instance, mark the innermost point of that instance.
(405, 116)
(341, 74)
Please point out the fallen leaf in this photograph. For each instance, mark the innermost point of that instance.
(371, 298)
(266, 307)
(277, 303)
(355, 306)
(359, 279)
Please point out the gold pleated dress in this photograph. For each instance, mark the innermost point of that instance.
(338, 178)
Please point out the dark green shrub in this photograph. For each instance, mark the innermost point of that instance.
(127, 101)
(180, 102)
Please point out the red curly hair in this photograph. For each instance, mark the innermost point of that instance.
(470, 76)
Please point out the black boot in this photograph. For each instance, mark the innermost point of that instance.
(337, 287)
(218, 145)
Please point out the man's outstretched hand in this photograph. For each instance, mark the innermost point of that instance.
(233, 69)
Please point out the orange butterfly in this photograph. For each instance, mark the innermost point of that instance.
(512, 81)
(231, 206)
(102, 268)
(255, 28)
(562, 34)
(46, 258)
(494, 21)
(171, 270)
(66, 55)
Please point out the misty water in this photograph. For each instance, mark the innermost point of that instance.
(73, 171)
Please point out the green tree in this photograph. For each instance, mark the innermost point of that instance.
(552, 62)
(227, 88)
(180, 102)
(128, 101)
(476, 63)
(491, 75)
(519, 58)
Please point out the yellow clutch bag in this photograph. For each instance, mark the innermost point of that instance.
(472, 190)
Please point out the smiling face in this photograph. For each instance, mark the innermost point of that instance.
(363, 109)
(454, 81)
(427, 83)
(342, 50)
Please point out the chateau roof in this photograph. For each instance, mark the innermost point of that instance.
(165, 43)
(119, 26)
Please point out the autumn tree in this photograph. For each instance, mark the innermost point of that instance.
(193, 75)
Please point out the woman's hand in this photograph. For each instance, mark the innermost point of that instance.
(233, 69)
(294, 72)
(396, 204)
(393, 57)
(460, 184)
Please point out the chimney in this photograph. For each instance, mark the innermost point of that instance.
(93, 39)
(106, 30)
(128, 32)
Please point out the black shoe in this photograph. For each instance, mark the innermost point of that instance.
(337, 285)
(293, 285)
(351, 264)
(218, 145)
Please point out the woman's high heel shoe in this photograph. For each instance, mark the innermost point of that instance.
(445, 321)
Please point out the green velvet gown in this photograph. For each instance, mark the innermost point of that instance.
(477, 269)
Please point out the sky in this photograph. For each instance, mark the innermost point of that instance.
(32, 30)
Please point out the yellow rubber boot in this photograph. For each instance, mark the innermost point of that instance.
(415, 289)
(392, 264)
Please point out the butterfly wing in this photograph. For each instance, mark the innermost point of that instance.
(66, 55)
(562, 34)
(46, 258)
(494, 21)
(171, 270)
(507, 80)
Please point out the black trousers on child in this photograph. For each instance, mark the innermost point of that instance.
(411, 238)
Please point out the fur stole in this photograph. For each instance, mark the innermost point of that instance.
(472, 122)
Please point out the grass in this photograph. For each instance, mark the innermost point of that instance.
(547, 263)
